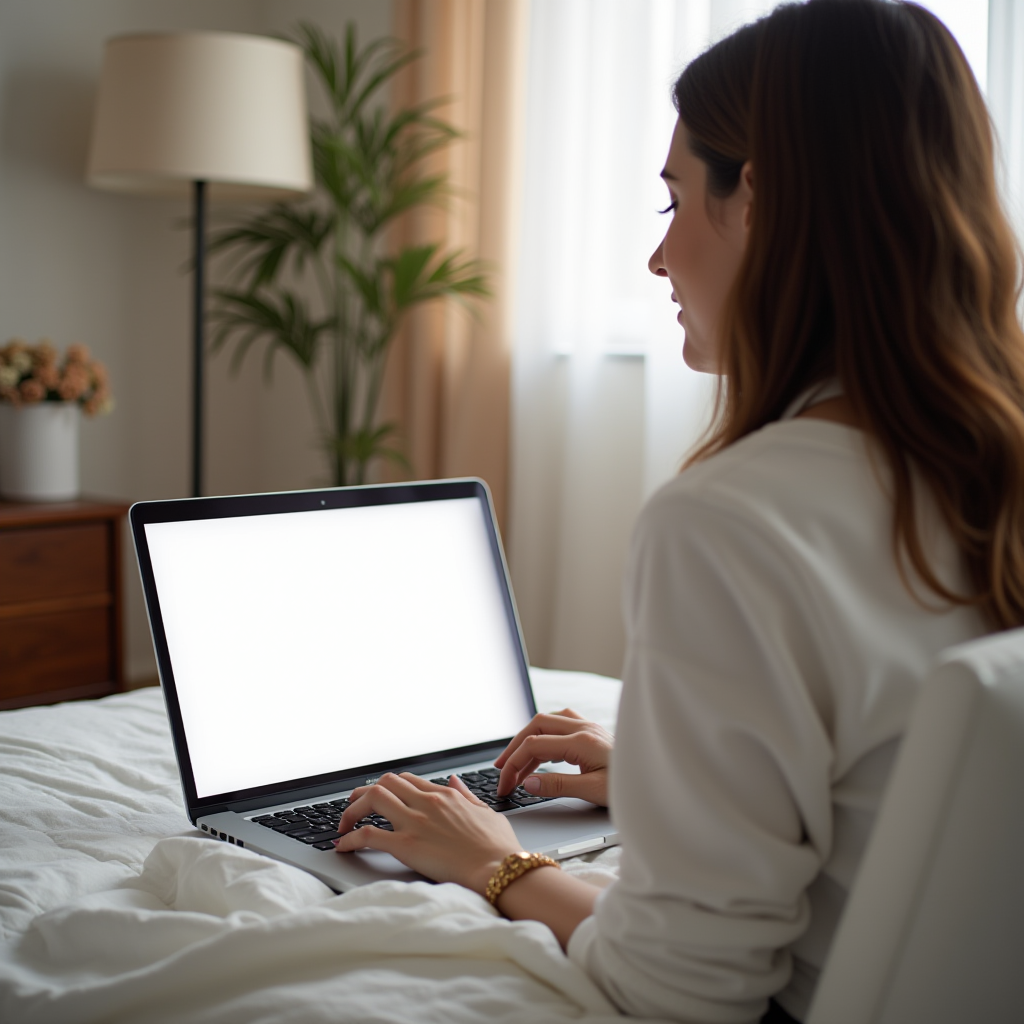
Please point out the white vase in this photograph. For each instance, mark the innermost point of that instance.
(39, 451)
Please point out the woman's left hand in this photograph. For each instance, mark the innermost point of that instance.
(443, 832)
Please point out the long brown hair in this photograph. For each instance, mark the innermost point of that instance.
(878, 253)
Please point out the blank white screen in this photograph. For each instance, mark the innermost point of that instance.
(311, 642)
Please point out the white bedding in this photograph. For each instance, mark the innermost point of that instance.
(113, 908)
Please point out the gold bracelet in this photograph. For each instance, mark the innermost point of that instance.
(512, 867)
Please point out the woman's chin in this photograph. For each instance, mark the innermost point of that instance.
(696, 359)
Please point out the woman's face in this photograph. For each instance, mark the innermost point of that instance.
(702, 248)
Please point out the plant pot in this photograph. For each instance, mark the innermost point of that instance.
(39, 451)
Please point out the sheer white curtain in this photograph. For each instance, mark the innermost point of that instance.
(1006, 99)
(603, 408)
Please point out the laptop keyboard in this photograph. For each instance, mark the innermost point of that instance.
(316, 825)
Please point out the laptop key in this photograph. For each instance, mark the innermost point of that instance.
(525, 801)
(289, 827)
(503, 805)
(377, 820)
(440, 782)
(303, 833)
(324, 846)
(319, 837)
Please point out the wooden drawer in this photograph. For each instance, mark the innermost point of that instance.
(56, 656)
(60, 601)
(49, 563)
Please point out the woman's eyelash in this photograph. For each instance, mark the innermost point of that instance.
(671, 206)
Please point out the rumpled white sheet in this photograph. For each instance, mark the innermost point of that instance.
(113, 909)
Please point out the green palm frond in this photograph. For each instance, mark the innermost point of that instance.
(367, 283)
(281, 321)
(419, 274)
(261, 246)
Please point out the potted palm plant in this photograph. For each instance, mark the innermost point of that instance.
(317, 279)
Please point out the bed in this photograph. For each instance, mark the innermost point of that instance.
(114, 908)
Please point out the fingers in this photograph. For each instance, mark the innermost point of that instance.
(367, 839)
(592, 786)
(441, 831)
(366, 800)
(424, 785)
(457, 784)
(392, 795)
(579, 748)
(516, 769)
(559, 724)
(454, 783)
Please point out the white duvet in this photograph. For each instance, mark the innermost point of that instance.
(113, 908)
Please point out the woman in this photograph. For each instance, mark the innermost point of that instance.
(839, 256)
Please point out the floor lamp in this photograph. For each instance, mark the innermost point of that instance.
(220, 115)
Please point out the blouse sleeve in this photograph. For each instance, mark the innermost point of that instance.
(720, 774)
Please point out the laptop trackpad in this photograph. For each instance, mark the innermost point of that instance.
(367, 866)
(557, 827)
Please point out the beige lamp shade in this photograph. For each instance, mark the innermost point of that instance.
(217, 107)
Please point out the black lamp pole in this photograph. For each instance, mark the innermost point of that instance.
(197, 352)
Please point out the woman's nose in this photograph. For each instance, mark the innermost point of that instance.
(656, 265)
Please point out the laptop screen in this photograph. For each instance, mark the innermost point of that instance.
(304, 643)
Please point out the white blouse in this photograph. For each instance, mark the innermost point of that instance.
(773, 654)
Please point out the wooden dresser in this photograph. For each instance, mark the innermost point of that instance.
(60, 601)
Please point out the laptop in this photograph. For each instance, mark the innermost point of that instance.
(309, 641)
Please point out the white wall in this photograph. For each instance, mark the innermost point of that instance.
(108, 270)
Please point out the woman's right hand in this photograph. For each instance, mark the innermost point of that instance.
(563, 736)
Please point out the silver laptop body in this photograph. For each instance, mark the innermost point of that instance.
(307, 642)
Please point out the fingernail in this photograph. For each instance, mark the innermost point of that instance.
(532, 784)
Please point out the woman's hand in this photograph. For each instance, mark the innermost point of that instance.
(443, 832)
(565, 736)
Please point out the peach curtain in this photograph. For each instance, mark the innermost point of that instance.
(449, 375)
